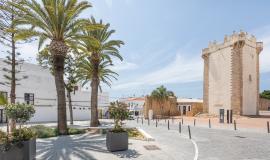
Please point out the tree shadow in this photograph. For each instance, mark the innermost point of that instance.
(66, 147)
(130, 153)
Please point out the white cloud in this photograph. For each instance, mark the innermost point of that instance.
(181, 70)
(121, 66)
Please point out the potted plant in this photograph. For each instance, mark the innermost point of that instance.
(117, 138)
(21, 143)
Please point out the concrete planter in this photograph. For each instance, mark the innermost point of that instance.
(26, 151)
(117, 141)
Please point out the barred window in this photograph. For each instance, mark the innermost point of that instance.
(29, 98)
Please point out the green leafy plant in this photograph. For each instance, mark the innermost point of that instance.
(119, 112)
(20, 112)
(3, 100)
(22, 134)
(265, 94)
(73, 131)
(43, 131)
(3, 137)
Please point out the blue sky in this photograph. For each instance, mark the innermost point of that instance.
(164, 39)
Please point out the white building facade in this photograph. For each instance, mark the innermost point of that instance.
(135, 105)
(231, 75)
(39, 89)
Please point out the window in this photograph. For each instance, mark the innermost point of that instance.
(268, 108)
(29, 98)
(5, 94)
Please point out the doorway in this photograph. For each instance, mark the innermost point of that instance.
(184, 110)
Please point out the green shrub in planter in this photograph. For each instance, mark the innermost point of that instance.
(22, 134)
(119, 112)
(21, 144)
(20, 112)
(117, 138)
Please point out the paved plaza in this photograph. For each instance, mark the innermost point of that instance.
(211, 144)
(93, 146)
(206, 144)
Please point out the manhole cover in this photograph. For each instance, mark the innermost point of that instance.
(151, 147)
(240, 137)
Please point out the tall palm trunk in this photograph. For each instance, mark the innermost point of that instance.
(70, 107)
(59, 51)
(94, 93)
(58, 62)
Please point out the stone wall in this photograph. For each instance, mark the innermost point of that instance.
(196, 107)
(206, 84)
(264, 104)
(168, 108)
(237, 77)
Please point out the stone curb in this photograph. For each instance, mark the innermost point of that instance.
(147, 136)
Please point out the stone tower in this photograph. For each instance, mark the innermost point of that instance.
(231, 75)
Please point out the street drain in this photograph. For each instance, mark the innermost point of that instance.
(240, 137)
(151, 147)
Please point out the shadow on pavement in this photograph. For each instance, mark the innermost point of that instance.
(66, 147)
(131, 153)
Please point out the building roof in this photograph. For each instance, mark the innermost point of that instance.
(189, 100)
(134, 99)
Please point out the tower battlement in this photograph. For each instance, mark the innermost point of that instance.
(232, 39)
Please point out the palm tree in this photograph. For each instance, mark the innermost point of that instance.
(96, 44)
(54, 21)
(161, 94)
(104, 74)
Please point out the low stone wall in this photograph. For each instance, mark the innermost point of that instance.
(167, 108)
(264, 104)
(196, 107)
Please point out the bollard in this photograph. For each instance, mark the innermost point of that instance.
(189, 133)
(168, 125)
(182, 121)
(148, 122)
(156, 123)
(194, 122)
(268, 128)
(234, 124)
(228, 116)
(137, 119)
(142, 120)
(209, 123)
(180, 127)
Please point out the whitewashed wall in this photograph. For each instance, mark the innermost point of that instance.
(41, 83)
